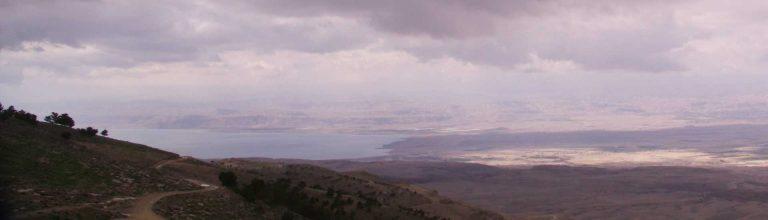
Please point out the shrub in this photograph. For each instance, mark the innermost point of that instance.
(7, 113)
(22, 115)
(287, 216)
(258, 186)
(228, 179)
(66, 135)
(26, 117)
(104, 133)
(89, 131)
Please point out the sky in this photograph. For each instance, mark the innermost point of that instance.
(81, 56)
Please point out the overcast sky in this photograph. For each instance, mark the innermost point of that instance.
(449, 50)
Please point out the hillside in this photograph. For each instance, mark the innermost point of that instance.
(45, 174)
(580, 192)
(42, 171)
(358, 194)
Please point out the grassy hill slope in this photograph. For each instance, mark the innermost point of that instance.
(41, 169)
(45, 174)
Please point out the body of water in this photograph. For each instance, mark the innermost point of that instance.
(209, 144)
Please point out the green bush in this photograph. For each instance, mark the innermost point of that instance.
(62, 119)
(228, 179)
(89, 131)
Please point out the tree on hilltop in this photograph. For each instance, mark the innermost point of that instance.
(7, 113)
(62, 119)
(26, 117)
(89, 131)
(50, 118)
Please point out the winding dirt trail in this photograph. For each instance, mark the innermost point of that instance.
(162, 163)
(142, 206)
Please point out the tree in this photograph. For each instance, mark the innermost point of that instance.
(258, 186)
(26, 117)
(62, 119)
(11, 110)
(65, 120)
(7, 113)
(22, 115)
(104, 133)
(51, 118)
(89, 131)
(228, 179)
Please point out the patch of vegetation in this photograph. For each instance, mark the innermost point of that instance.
(30, 156)
(22, 115)
(62, 119)
(51, 156)
(313, 202)
(228, 179)
(89, 131)
(282, 192)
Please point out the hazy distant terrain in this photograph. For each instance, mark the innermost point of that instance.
(592, 193)
(428, 116)
(723, 145)
(580, 192)
(731, 145)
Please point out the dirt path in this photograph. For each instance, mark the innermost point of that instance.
(162, 163)
(142, 206)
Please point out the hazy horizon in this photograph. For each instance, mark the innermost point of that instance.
(395, 65)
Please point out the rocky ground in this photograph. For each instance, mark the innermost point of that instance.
(218, 204)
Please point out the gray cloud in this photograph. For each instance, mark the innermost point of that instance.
(156, 31)
(598, 35)
(506, 33)
(436, 18)
(450, 51)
